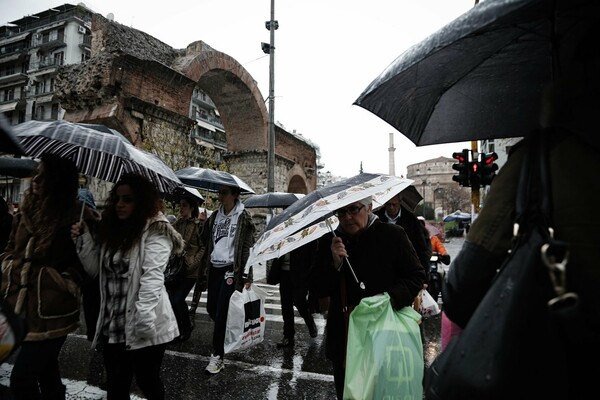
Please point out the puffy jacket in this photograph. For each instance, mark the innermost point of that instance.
(149, 317)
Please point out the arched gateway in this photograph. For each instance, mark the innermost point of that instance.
(142, 87)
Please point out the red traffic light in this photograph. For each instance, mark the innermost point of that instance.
(459, 156)
(489, 158)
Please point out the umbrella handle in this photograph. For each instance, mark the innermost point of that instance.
(360, 284)
(81, 213)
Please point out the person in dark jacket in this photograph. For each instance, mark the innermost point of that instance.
(294, 270)
(395, 213)
(42, 276)
(381, 256)
(569, 110)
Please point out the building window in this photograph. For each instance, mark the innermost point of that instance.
(58, 58)
(8, 95)
(54, 111)
(39, 113)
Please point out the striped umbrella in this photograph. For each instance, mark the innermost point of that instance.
(99, 154)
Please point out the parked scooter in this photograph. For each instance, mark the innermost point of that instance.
(436, 274)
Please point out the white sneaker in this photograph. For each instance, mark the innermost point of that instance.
(215, 364)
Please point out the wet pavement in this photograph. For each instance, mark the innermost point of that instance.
(261, 372)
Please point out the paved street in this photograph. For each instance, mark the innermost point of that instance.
(263, 372)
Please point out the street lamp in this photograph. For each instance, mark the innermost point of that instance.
(269, 48)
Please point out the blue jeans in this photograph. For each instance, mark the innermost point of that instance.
(220, 288)
(36, 374)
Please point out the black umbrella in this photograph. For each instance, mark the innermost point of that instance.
(8, 141)
(482, 75)
(272, 200)
(103, 155)
(211, 180)
(182, 192)
(17, 167)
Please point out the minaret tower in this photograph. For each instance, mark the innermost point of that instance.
(391, 150)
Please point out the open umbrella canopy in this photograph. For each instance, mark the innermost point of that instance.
(95, 153)
(9, 143)
(411, 197)
(457, 216)
(211, 180)
(312, 216)
(186, 191)
(105, 129)
(17, 167)
(271, 200)
(482, 75)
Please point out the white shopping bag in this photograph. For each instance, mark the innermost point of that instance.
(429, 306)
(246, 320)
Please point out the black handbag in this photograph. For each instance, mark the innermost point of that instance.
(176, 269)
(516, 343)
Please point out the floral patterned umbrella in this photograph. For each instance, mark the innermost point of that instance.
(311, 217)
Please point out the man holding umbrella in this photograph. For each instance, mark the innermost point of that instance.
(394, 212)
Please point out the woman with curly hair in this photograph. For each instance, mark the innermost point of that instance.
(41, 277)
(129, 253)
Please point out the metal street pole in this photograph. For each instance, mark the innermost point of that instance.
(272, 25)
(475, 191)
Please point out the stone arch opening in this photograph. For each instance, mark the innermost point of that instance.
(234, 92)
(297, 185)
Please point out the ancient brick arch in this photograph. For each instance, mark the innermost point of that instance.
(245, 118)
(145, 92)
(234, 91)
(297, 185)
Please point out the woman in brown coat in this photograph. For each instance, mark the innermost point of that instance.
(41, 277)
(189, 226)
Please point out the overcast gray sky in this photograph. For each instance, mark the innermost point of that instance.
(327, 53)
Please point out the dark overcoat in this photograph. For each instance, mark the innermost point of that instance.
(383, 259)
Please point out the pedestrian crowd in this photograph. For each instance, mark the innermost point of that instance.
(59, 249)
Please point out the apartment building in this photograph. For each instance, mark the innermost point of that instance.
(31, 51)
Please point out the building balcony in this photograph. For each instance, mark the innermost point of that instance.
(49, 45)
(43, 64)
(210, 119)
(86, 42)
(13, 78)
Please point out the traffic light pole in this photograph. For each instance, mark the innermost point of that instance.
(271, 139)
(475, 191)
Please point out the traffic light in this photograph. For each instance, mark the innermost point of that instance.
(474, 175)
(487, 168)
(462, 166)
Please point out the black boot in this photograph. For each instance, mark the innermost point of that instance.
(286, 342)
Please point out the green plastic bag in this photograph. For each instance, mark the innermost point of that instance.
(384, 357)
